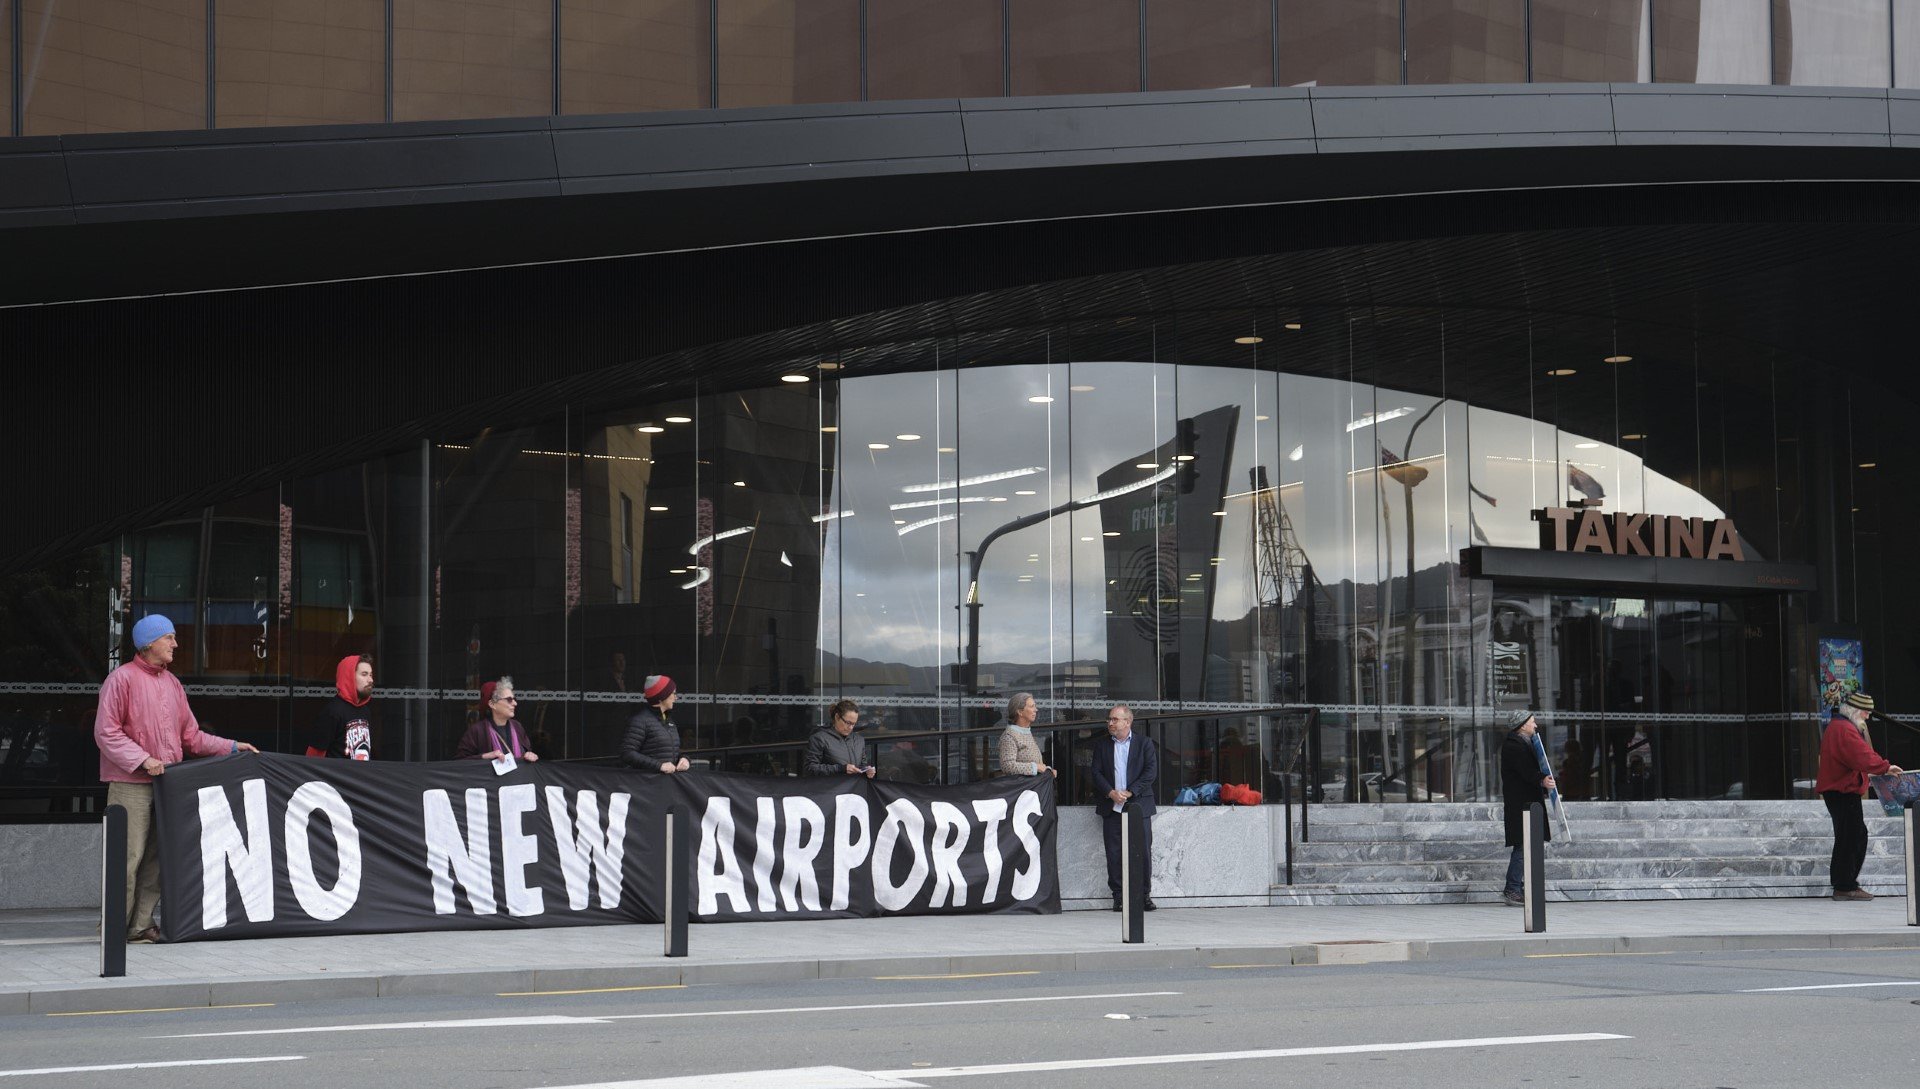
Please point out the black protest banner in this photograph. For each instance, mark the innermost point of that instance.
(269, 845)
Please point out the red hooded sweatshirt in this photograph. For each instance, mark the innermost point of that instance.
(345, 725)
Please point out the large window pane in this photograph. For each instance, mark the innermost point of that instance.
(1466, 41)
(471, 58)
(113, 65)
(773, 52)
(1711, 41)
(1831, 43)
(1590, 41)
(1331, 42)
(6, 66)
(1075, 47)
(618, 56)
(294, 62)
(1199, 44)
(934, 48)
(1906, 43)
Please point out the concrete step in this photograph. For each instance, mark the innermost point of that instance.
(1623, 870)
(1701, 829)
(1460, 892)
(1489, 843)
(1343, 813)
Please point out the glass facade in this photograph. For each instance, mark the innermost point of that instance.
(1210, 511)
(140, 65)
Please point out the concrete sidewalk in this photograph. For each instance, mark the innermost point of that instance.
(49, 964)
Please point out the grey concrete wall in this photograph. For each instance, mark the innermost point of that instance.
(49, 866)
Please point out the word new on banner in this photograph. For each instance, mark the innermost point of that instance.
(269, 845)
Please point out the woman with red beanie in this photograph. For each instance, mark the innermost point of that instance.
(652, 743)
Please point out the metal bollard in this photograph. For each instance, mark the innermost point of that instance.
(1913, 865)
(1534, 859)
(677, 880)
(113, 891)
(1135, 877)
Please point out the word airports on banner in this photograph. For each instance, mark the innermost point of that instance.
(270, 845)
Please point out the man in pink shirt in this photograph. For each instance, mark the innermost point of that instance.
(142, 726)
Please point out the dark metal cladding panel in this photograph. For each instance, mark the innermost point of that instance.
(1349, 119)
(33, 183)
(1079, 129)
(722, 143)
(304, 162)
(1644, 574)
(1775, 116)
(1903, 118)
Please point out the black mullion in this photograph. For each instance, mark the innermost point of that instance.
(211, 14)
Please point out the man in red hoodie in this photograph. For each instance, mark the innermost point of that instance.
(1846, 759)
(143, 727)
(344, 727)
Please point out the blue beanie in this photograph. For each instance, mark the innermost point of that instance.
(150, 627)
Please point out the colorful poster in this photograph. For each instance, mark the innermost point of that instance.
(1839, 671)
(1896, 791)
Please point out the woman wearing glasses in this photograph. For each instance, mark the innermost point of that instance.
(496, 733)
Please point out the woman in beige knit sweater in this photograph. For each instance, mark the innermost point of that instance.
(1019, 752)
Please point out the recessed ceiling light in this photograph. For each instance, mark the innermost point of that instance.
(1147, 465)
(829, 429)
(1111, 533)
(676, 571)
(1869, 464)
(877, 446)
(1248, 340)
(656, 508)
(1081, 389)
(1631, 438)
(907, 438)
(1183, 457)
(739, 483)
(1086, 538)
(651, 429)
(998, 499)
(1219, 514)
(899, 521)
(1263, 419)
(1296, 453)
(829, 365)
(859, 595)
(1618, 359)
(1042, 399)
(1293, 325)
(1561, 372)
(946, 450)
(1586, 446)
(1026, 492)
(795, 378)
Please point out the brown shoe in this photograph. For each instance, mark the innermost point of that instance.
(149, 936)
(1853, 894)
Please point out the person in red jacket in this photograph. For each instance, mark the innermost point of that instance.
(1846, 759)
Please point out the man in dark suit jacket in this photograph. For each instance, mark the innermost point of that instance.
(1125, 768)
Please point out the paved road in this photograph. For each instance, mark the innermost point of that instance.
(1726, 1019)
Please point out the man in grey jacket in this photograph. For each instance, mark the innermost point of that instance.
(833, 750)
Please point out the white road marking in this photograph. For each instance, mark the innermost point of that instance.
(833, 1077)
(389, 1026)
(147, 1066)
(1831, 986)
(1222, 1056)
(559, 1019)
(807, 1077)
(893, 1005)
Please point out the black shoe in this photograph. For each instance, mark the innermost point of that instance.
(1151, 906)
(1116, 904)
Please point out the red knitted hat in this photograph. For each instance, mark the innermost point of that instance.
(659, 687)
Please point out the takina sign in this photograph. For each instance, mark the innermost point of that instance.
(1666, 536)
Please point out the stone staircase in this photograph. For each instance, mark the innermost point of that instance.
(1452, 853)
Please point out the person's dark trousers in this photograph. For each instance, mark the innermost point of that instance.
(1516, 872)
(1110, 832)
(1849, 838)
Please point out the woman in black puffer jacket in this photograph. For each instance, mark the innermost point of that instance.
(652, 743)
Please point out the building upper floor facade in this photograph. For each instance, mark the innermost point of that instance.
(93, 66)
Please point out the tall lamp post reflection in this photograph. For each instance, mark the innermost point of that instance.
(1409, 475)
(977, 555)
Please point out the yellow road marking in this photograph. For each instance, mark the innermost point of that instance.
(592, 990)
(1562, 956)
(163, 1009)
(967, 975)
